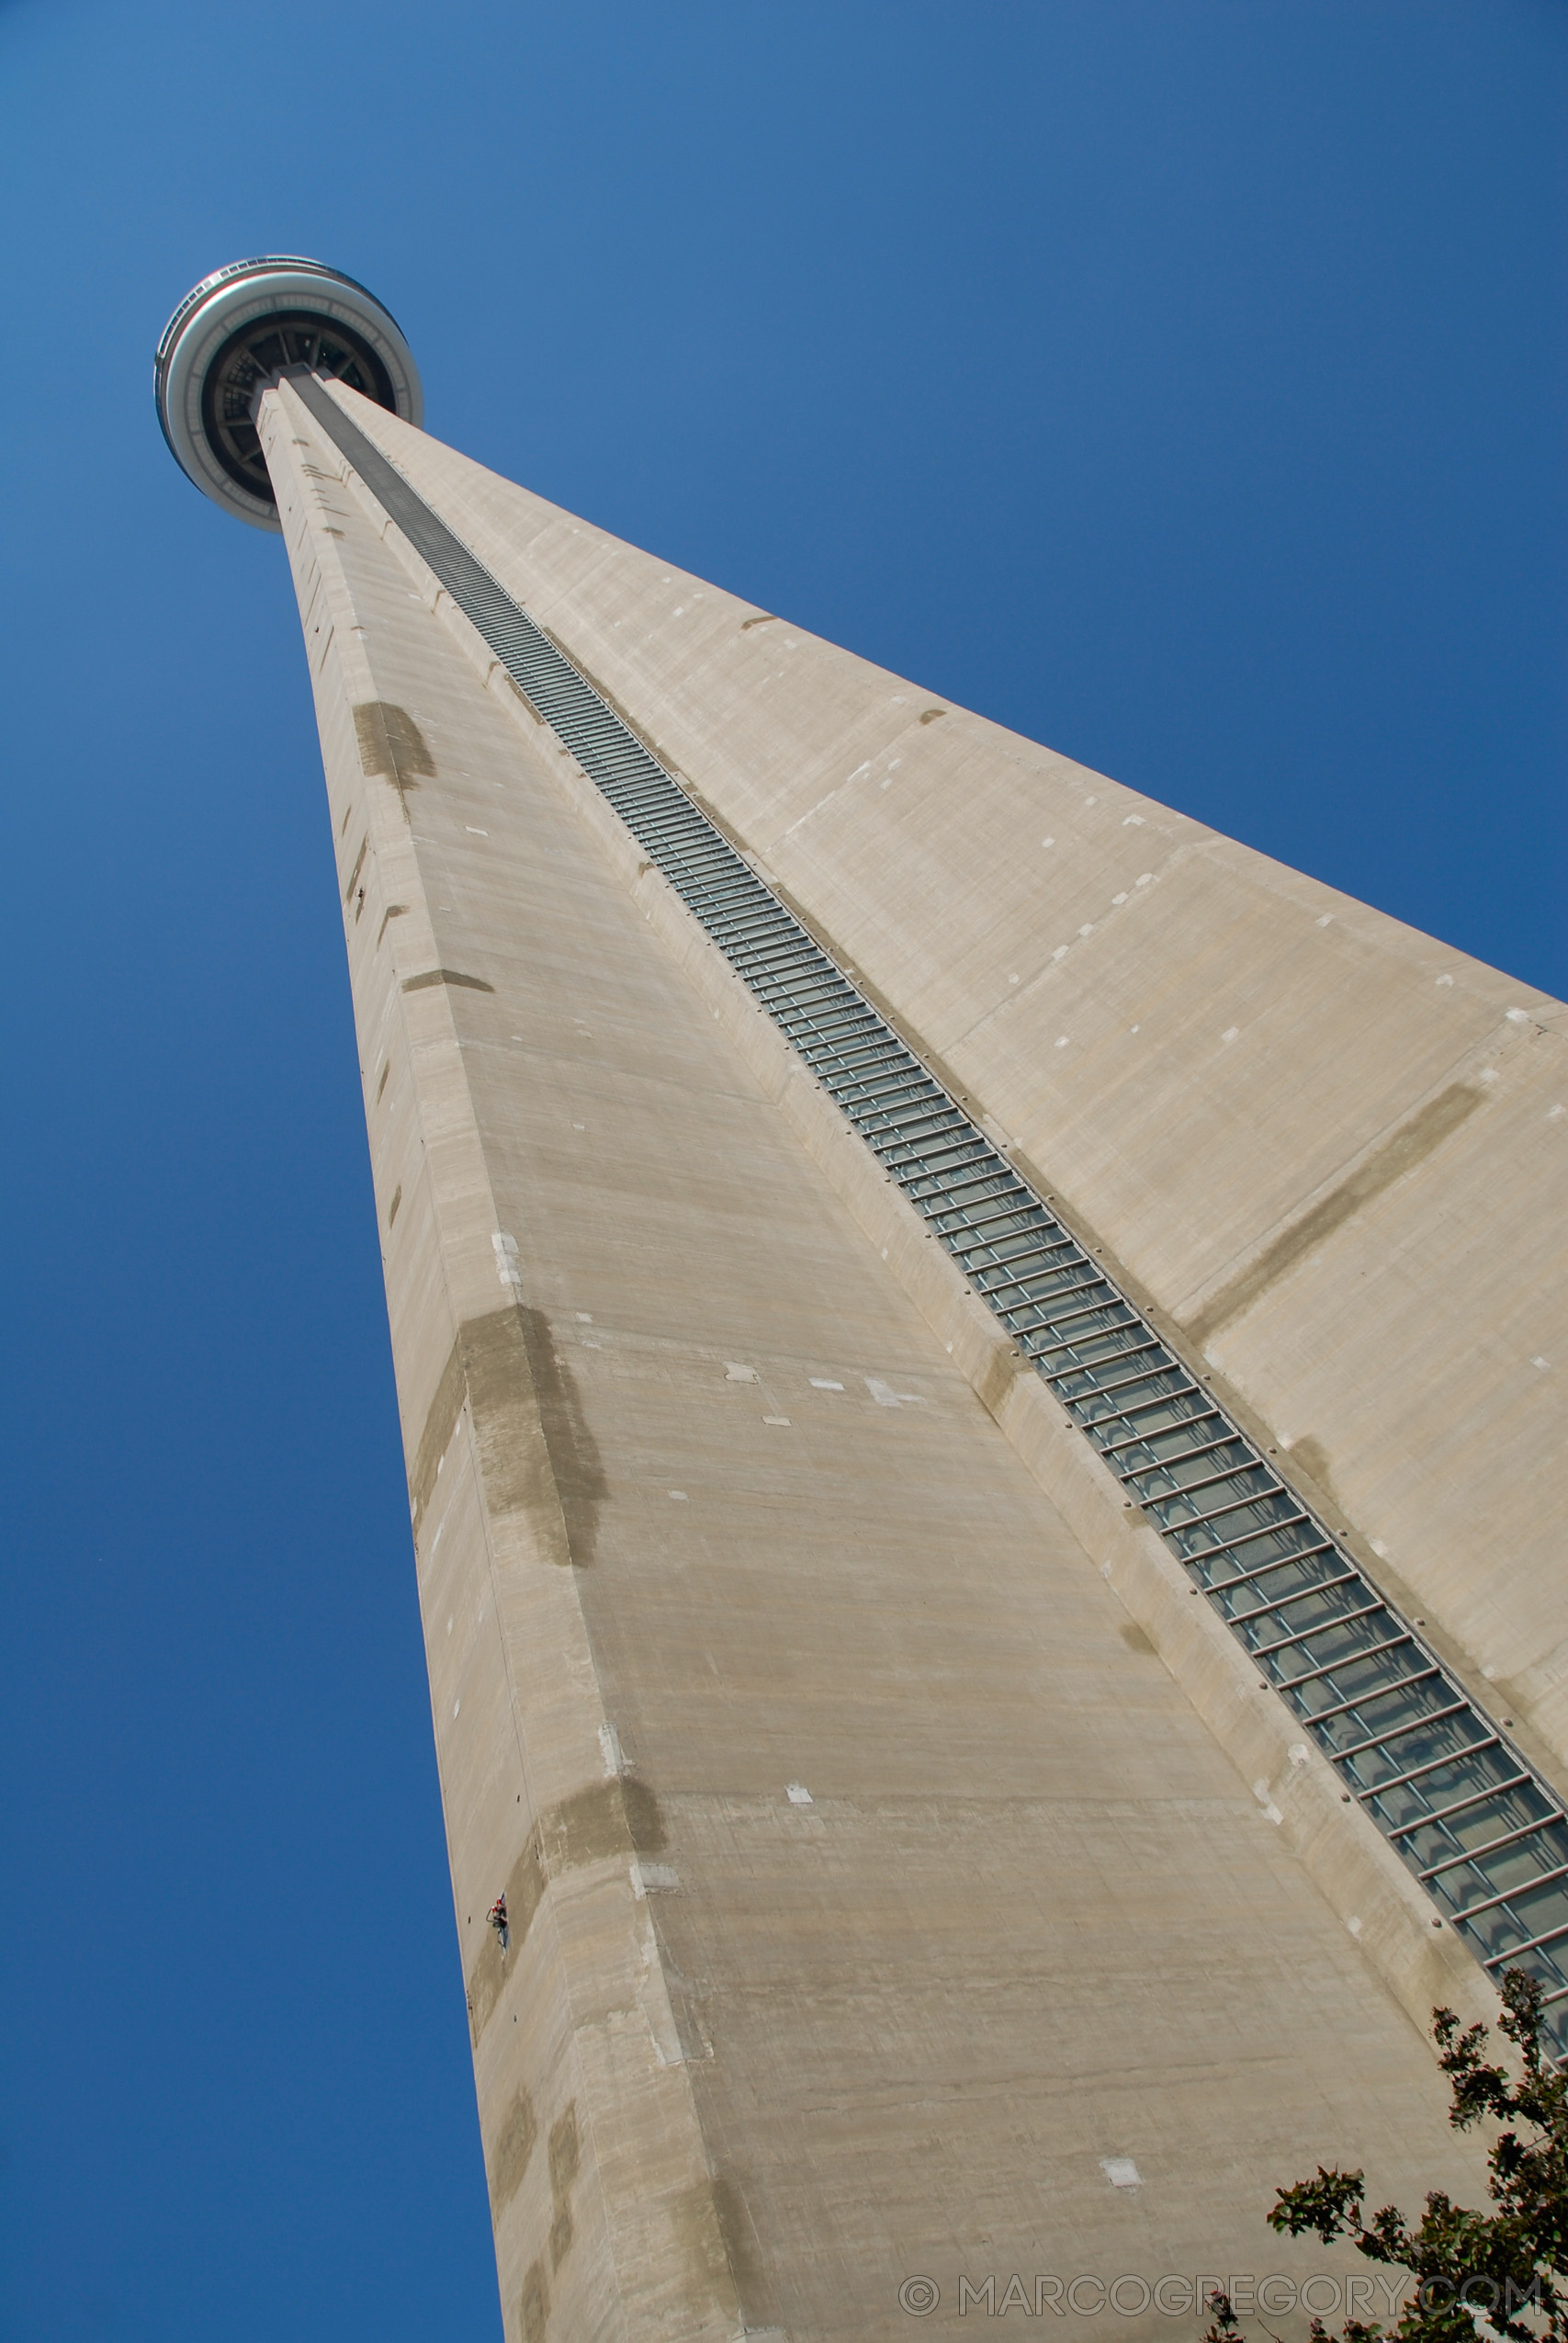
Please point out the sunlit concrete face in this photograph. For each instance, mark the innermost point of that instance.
(884, 1908)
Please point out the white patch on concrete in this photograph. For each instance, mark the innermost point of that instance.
(455, 1706)
(1132, 821)
(1047, 842)
(1327, 920)
(1445, 979)
(679, 1496)
(1087, 928)
(653, 1996)
(506, 1258)
(1060, 953)
(1260, 1792)
(1012, 979)
(1300, 1754)
(579, 1126)
(1540, 1363)
(1091, 801)
(654, 1879)
(1379, 1549)
(586, 1317)
(1120, 2172)
(473, 832)
(1142, 878)
(1231, 1033)
(1061, 1041)
(448, 1626)
(611, 1751)
(1353, 1924)
(883, 1392)
(735, 1373)
(799, 1794)
(778, 1420)
(1517, 1016)
(1120, 899)
(820, 1383)
(1489, 1073)
(1552, 1113)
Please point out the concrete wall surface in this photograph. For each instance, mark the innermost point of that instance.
(1328, 1151)
(881, 1909)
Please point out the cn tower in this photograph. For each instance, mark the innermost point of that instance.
(972, 1364)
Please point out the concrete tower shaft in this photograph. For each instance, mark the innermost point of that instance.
(857, 1273)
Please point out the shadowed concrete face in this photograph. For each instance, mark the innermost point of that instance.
(877, 1899)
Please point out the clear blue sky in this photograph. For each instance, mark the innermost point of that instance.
(1180, 381)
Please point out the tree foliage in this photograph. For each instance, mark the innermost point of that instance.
(1501, 2273)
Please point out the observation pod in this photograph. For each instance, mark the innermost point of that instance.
(243, 328)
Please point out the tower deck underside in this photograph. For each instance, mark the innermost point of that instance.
(706, 1513)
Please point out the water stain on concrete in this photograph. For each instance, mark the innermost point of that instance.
(513, 2146)
(392, 912)
(514, 1454)
(573, 1452)
(524, 1894)
(535, 2310)
(607, 1821)
(617, 1818)
(440, 1422)
(536, 1454)
(566, 2159)
(997, 1380)
(423, 982)
(1401, 1152)
(1312, 1457)
(391, 744)
(566, 2151)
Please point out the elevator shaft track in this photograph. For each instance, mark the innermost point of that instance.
(1479, 1827)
